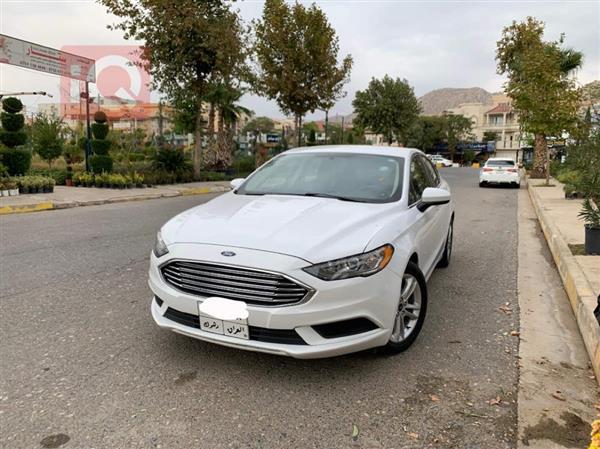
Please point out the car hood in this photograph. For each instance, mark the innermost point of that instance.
(313, 229)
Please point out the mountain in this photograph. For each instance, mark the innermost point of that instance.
(439, 100)
(591, 92)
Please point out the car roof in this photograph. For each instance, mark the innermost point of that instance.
(357, 149)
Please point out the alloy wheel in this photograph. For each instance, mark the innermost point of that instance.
(409, 308)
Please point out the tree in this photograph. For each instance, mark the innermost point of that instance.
(388, 106)
(540, 84)
(456, 128)
(296, 49)
(257, 127)
(47, 137)
(490, 136)
(426, 132)
(183, 44)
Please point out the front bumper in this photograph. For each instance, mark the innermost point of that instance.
(374, 298)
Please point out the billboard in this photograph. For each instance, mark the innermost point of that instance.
(45, 59)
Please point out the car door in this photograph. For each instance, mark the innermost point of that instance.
(424, 222)
(441, 214)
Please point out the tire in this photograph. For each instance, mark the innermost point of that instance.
(445, 260)
(482, 184)
(400, 340)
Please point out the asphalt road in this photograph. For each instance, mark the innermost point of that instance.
(82, 364)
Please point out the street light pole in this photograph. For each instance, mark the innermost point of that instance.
(88, 142)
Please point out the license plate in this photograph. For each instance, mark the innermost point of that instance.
(236, 329)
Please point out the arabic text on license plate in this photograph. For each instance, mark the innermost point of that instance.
(228, 328)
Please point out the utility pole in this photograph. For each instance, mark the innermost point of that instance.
(88, 149)
(160, 124)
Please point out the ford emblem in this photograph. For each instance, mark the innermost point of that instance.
(228, 253)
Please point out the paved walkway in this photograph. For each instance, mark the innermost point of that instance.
(64, 197)
(561, 226)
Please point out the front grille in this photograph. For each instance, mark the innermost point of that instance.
(251, 286)
(282, 336)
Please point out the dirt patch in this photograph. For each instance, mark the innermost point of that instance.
(184, 378)
(573, 433)
(578, 250)
(54, 441)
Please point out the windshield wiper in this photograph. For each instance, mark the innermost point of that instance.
(336, 197)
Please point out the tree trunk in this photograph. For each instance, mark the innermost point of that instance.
(540, 151)
(390, 139)
(326, 125)
(210, 128)
(299, 129)
(198, 143)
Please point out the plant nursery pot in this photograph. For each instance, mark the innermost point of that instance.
(24, 189)
(592, 240)
(46, 189)
(5, 193)
(69, 182)
(51, 189)
(13, 192)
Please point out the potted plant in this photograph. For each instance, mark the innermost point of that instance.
(586, 160)
(13, 189)
(51, 184)
(590, 213)
(4, 187)
(23, 184)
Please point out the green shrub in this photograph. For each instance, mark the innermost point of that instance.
(72, 154)
(12, 122)
(100, 147)
(134, 157)
(58, 175)
(569, 177)
(13, 138)
(100, 163)
(99, 130)
(12, 105)
(100, 117)
(170, 159)
(212, 176)
(244, 165)
(16, 160)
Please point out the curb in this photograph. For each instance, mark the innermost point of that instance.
(23, 208)
(577, 287)
(51, 205)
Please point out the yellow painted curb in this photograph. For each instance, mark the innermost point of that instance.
(196, 191)
(19, 209)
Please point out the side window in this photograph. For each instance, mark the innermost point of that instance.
(431, 171)
(419, 180)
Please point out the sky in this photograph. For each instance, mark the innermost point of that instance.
(432, 44)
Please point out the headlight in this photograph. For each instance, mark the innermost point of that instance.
(363, 265)
(160, 247)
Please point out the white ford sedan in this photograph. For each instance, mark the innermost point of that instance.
(320, 252)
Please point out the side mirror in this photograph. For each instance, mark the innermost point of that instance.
(433, 197)
(236, 183)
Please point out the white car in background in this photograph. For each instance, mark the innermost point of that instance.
(438, 159)
(500, 171)
(320, 252)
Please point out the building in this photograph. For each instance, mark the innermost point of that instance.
(498, 118)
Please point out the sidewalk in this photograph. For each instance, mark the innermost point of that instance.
(580, 274)
(65, 197)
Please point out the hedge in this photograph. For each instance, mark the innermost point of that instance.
(100, 147)
(16, 160)
(101, 163)
(13, 138)
(12, 105)
(99, 130)
(12, 122)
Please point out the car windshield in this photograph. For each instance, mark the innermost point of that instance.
(500, 163)
(351, 177)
